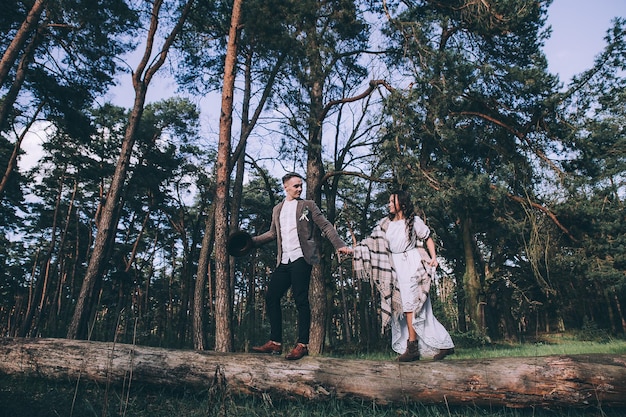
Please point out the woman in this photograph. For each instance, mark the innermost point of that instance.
(394, 259)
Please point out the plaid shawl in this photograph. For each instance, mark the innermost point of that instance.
(373, 263)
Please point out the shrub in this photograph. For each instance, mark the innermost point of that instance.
(590, 332)
(471, 339)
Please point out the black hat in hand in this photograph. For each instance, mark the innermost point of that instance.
(239, 244)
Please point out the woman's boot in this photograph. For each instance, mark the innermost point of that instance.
(412, 352)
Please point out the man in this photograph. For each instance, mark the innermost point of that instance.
(293, 225)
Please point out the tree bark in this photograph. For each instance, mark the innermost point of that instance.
(202, 281)
(520, 382)
(10, 97)
(471, 281)
(107, 223)
(21, 37)
(223, 290)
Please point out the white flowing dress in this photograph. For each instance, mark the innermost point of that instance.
(413, 278)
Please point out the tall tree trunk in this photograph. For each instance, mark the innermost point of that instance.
(51, 318)
(314, 174)
(347, 320)
(182, 321)
(471, 281)
(8, 101)
(35, 309)
(240, 166)
(33, 290)
(223, 295)
(21, 37)
(239, 162)
(315, 181)
(202, 274)
(609, 307)
(618, 306)
(107, 223)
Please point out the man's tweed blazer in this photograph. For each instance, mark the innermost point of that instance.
(308, 217)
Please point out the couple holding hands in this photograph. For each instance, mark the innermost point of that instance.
(398, 258)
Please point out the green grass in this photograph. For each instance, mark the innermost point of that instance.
(552, 345)
(32, 397)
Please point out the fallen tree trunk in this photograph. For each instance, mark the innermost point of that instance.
(543, 381)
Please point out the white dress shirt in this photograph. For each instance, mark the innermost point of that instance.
(289, 233)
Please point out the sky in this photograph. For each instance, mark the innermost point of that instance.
(578, 31)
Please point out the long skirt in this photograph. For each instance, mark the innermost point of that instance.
(414, 283)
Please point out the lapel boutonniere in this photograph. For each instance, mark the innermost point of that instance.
(305, 214)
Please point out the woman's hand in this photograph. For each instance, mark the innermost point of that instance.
(345, 250)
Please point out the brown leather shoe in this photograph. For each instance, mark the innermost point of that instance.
(270, 347)
(443, 353)
(297, 352)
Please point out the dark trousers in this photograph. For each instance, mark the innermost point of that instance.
(297, 275)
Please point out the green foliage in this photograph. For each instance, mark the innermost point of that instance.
(13, 196)
(470, 340)
(70, 57)
(591, 332)
(470, 140)
(521, 184)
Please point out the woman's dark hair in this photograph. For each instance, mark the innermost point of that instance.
(405, 204)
